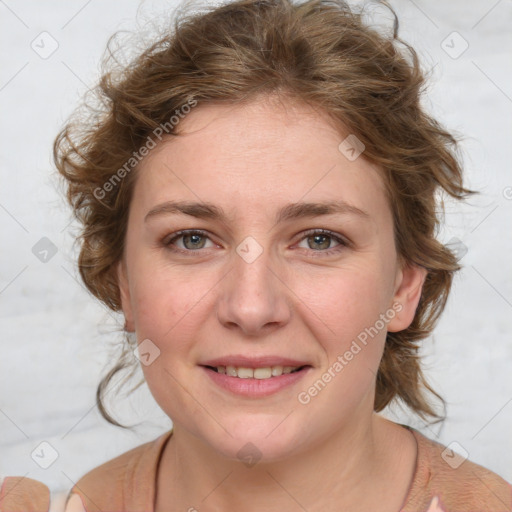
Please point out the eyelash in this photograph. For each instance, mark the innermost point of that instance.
(343, 243)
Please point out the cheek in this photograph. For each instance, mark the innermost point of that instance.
(171, 308)
(345, 312)
(345, 317)
(169, 302)
(346, 300)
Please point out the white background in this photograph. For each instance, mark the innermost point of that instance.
(55, 338)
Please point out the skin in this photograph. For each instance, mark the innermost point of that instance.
(295, 299)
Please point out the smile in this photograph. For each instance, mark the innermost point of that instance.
(255, 382)
(256, 373)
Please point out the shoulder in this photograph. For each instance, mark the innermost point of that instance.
(105, 483)
(22, 493)
(452, 483)
(124, 481)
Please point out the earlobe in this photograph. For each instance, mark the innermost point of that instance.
(408, 290)
(124, 293)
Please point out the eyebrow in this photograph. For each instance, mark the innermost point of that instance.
(288, 212)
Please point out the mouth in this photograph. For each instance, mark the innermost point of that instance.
(261, 373)
(255, 383)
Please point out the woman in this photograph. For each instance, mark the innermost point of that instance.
(259, 198)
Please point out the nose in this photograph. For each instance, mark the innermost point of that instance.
(253, 297)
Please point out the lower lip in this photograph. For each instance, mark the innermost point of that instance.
(255, 387)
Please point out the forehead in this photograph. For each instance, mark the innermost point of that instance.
(257, 157)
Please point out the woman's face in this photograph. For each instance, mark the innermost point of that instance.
(256, 278)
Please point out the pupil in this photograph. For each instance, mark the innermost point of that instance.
(316, 238)
(194, 239)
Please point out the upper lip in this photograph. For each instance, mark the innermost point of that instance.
(241, 361)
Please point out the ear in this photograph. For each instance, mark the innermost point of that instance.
(408, 286)
(124, 291)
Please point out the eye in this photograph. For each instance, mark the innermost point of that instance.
(319, 240)
(191, 241)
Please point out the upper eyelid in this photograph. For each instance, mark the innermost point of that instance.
(183, 232)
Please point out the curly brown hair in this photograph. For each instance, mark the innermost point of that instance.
(319, 52)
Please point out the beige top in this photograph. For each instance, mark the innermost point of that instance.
(442, 482)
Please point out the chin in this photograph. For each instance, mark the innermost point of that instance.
(251, 442)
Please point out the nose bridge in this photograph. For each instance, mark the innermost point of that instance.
(252, 296)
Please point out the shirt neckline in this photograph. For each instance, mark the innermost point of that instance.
(149, 465)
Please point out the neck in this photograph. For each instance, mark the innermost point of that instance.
(347, 470)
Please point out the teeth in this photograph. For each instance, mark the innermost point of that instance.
(276, 371)
(256, 373)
